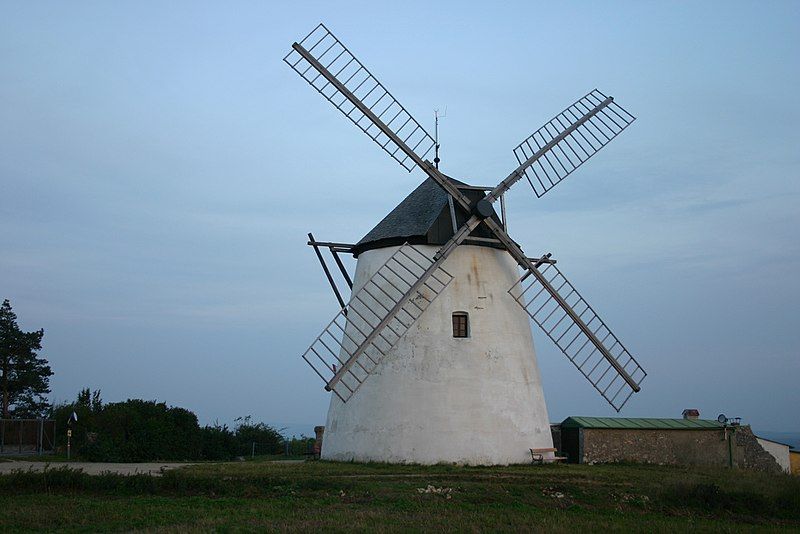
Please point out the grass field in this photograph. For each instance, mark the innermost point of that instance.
(321, 495)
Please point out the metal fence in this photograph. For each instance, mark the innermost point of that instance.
(27, 436)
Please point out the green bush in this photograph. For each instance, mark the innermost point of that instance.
(267, 440)
(217, 443)
(301, 446)
(137, 430)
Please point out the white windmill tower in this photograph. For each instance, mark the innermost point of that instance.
(432, 358)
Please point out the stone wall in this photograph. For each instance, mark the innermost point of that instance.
(675, 447)
(691, 447)
(755, 457)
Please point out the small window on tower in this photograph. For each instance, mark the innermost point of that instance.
(460, 324)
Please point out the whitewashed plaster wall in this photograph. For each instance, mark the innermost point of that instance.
(435, 398)
(778, 450)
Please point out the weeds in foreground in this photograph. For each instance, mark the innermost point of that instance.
(261, 495)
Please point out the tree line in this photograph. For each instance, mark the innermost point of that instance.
(138, 430)
(133, 430)
(24, 376)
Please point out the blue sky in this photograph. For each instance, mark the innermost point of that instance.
(160, 167)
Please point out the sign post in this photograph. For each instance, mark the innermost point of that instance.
(72, 419)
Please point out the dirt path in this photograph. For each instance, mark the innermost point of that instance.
(92, 468)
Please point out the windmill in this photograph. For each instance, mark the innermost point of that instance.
(405, 389)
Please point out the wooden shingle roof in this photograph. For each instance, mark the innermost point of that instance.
(423, 217)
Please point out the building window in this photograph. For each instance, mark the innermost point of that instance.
(460, 324)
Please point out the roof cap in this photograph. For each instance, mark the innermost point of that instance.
(423, 218)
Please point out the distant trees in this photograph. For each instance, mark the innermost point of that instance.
(267, 439)
(139, 430)
(24, 376)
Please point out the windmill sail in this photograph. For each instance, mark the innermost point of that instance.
(556, 306)
(325, 63)
(569, 139)
(565, 142)
(377, 316)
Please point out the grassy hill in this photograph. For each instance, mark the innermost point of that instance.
(321, 495)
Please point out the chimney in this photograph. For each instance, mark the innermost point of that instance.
(691, 413)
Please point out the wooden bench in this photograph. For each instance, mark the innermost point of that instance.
(538, 456)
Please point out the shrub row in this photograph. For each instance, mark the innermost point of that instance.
(138, 430)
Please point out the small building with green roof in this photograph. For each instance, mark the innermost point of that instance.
(663, 441)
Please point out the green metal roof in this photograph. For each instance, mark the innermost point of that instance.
(639, 423)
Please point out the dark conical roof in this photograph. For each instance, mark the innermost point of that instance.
(423, 217)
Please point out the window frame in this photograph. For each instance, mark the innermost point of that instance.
(461, 327)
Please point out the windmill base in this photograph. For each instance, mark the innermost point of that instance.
(436, 398)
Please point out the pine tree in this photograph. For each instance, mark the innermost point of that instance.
(24, 377)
